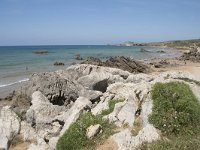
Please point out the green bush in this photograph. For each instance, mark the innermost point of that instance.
(75, 137)
(175, 109)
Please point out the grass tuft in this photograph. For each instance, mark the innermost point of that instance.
(75, 137)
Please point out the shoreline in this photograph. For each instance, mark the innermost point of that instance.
(179, 65)
(94, 87)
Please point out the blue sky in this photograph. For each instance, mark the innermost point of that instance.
(44, 22)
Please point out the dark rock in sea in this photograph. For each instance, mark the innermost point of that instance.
(161, 51)
(73, 63)
(58, 63)
(93, 61)
(41, 52)
(78, 57)
(121, 62)
(143, 50)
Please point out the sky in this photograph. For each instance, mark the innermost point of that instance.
(93, 22)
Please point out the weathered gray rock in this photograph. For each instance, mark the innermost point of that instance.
(42, 111)
(103, 104)
(59, 91)
(95, 81)
(126, 141)
(95, 72)
(28, 131)
(9, 126)
(93, 130)
(74, 112)
(3, 142)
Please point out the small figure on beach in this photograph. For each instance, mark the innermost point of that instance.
(26, 68)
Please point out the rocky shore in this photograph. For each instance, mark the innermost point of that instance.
(45, 107)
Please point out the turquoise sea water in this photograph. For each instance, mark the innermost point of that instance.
(17, 63)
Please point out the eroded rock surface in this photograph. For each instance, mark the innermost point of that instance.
(56, 100)
(124, 63)
(9, 126)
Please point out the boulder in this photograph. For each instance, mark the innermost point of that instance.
(3, 142)
(78, 57)
(124, 113)
(74, 112)
(42, 111)
(75, 72)
(95, 81)
(28, 132)
(9, 126)
(93, 130)
(59, 91)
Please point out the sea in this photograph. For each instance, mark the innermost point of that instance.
(17, 63)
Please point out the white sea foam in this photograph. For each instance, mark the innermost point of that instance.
(9, 84)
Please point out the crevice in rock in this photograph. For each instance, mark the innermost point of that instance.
(59, 121)
(101, 86)
(46, 140)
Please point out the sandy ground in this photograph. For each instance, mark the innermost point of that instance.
(191, 67)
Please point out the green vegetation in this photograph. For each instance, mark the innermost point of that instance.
(176, 113)
(185, 142)
(183, 43)
(111, 107)
(177, 44)
(75, 137)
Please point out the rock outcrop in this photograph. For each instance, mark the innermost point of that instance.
(124, 63)
(192, 55)
(56, 100)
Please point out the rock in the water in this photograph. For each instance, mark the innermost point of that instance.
(143, 50)
(78, 57)
(41, 52)
(57, 63)
(93, 130)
